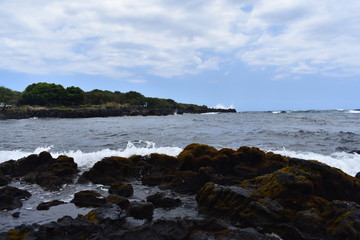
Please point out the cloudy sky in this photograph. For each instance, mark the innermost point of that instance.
(250, 54)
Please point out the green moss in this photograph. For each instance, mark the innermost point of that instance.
(15, 234)
(91, 217)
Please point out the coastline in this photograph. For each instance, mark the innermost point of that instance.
(101, 112)
(235, 194)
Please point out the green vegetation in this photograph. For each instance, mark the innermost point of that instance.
(8, 96)
(56, 96)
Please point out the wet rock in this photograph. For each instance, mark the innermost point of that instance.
(141, 210)
(4, 180)
(121, 189)
(172, 229)
(186, 182)
(88, 199)
(355, 151)
(42, 169)
(107, 211)
(10, 197)
(122, 202)
(16, 215)
(230, 234)
(48, 205)
(159, 200)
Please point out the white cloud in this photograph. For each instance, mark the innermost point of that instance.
(128, 39)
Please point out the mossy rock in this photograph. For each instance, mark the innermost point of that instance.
(195, 156)
(88, 198)
(121, 189)
(16, 234)
(110, 170)
(329, 182)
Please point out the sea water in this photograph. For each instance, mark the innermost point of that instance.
(326, 136)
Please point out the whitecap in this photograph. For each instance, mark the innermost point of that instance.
(88, 159)
(347, 162)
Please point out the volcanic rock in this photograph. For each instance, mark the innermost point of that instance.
(10, 197)
(48, 205)
(88, 199)
(42, 169)
(141, 210)
(121, 189)
(159, 200)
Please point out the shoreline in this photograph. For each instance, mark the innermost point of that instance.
(100, 112)
(233, 194)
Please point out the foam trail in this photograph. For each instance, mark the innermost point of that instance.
(347, 162)
(87, 160)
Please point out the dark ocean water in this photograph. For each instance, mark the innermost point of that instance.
(326, 136)
(322, 132)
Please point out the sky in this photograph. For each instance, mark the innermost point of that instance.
(253, 55)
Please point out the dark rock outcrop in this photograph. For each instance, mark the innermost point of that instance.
(260, 195)
(141, 210)
(103, 112)
(42, 169)
(110, 170)
(122, 202)
(88, 199)
(121, 189)
(10, 197)
(160, 200)
(293, 201)
(48, 205)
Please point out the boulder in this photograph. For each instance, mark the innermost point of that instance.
(185, 182)
(141, 210)
(48, 205)
(10, 197)
(42, 169)
(110, 170)
(88, 199)
(107, 211)
(122, 202)
(121, 189)
(160, 200)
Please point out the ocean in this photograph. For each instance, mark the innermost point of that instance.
(326, 136)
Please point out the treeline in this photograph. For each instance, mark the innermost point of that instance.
(50, 95)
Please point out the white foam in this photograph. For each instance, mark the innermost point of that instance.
(210, 113)
(354, 111)
(347, 162)
(87, 160)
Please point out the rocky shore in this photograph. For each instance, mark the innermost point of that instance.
(240, 194)
(100, 112)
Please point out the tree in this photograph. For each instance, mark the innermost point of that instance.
(44, 94)
(74, 96)
(8, 96)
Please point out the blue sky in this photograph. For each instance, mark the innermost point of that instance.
(253, 55)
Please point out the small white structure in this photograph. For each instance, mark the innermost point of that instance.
(4, 106)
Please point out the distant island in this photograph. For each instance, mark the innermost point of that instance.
(43, 100)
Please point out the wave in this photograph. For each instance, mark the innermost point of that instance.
(347, 162)
(210, 113)
(354, 111)
(88, 159)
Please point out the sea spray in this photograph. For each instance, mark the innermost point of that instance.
(347, 162)
(86, 160)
